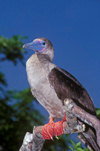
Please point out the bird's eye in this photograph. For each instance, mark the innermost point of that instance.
(43, 43)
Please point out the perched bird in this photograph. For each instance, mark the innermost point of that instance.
(51, 85)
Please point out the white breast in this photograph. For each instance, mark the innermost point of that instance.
(41, 88)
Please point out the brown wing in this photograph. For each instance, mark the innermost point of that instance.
(66, 86)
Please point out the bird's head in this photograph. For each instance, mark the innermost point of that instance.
(41, 45)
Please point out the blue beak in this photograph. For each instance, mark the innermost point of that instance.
(29, 46)
(34, 45)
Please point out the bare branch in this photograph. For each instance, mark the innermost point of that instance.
(84, 116)
(35, 141)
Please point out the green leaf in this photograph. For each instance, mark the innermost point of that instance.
(80, 149)
(74, 145)
(78, 144)
(86, 149)
(98, 112)
(71, 148)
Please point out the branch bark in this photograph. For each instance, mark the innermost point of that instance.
(84, 116)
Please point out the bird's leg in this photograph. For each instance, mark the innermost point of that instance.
(48, 129)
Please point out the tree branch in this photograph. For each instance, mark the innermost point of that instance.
(84, 116)
(35, 141)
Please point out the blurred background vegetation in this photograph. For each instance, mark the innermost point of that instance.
(17, 112)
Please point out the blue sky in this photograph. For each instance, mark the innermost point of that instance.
(72, 26)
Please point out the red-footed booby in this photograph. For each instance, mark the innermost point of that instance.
(51, 85)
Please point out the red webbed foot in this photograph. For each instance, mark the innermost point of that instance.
(48, 129)
(53, 129)
(58, 127)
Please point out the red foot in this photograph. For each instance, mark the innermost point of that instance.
(51, 129)
(48, 129)
(58, 127)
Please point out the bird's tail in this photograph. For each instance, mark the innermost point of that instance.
(89, 139)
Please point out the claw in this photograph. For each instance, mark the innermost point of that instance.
(56, 137)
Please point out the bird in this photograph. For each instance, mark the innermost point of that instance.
(51, 85)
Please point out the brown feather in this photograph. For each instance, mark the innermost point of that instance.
(66, 86)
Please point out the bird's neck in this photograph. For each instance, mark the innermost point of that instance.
(48, 53)
(43, 58)
(38, 62)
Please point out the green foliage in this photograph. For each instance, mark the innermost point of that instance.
(77, 147)
(2, 81)
(60, 144)
(11, 49)
(16, 117)
(98, 113)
